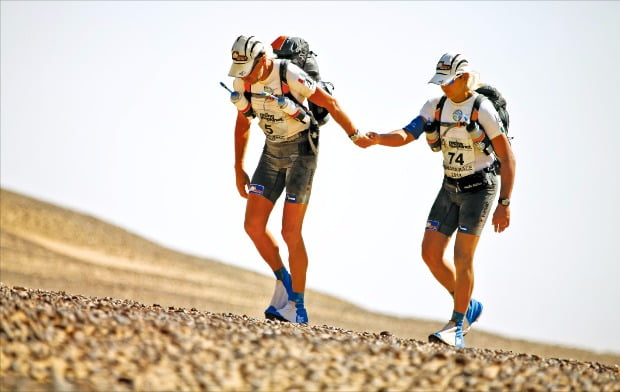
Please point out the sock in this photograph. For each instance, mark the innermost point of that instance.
(457, 317)
(298, 298)
(281, 273)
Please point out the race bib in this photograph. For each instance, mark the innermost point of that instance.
(458, 156)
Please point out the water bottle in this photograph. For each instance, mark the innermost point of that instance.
(240, 101)
(477, 135)
(292, 109)
(432, 135)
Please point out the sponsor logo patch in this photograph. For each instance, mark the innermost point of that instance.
(432, 225)
(459, 145)
(291, 198)
(257, 189)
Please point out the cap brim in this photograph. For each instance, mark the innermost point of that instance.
(441, 79)
(239, 70)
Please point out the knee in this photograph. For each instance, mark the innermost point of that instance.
(291, 235)
(431, 256)
(463, 263)
(254, 228)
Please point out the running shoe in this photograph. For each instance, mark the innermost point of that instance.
(281, 294)
(451, 334)
(472, 315)
(291, 313)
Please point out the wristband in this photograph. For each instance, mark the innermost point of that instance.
(354, 136)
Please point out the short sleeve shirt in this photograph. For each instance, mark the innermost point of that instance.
(460, 157)
(277, 125)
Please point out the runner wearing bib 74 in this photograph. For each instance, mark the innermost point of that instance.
(471, 182)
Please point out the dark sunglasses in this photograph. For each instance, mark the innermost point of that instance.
(452, 81)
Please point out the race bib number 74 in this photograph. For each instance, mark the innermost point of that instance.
(458, 157)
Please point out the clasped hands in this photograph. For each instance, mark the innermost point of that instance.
(367, 140)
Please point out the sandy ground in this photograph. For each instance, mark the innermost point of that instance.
(51, 248)
(63, 342)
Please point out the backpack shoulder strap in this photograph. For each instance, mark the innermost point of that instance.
(439, 108)
(476, 107)
(286, 90)
(283, 82)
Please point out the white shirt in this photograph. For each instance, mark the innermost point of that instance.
(460, 157)
(277, 125)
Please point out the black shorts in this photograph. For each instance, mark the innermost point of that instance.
(466, 211)
(286, 165)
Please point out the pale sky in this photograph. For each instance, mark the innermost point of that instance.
(114, 109)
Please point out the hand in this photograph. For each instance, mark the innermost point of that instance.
(243, 182)
(501, 218)
(363, 141)
(374, 136)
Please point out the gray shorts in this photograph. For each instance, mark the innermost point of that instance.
(465, 211)
(289, 165)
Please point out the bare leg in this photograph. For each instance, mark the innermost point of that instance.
(434, 247)
(464, 249)
(292, 221)
(257, 214)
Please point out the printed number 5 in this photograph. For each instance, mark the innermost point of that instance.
(268, 129)
(459, 159)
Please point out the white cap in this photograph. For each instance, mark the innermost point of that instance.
(449, 67)
(244, 52)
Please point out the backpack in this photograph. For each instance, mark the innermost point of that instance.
(297, 50)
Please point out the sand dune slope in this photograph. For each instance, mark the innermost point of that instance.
(95, 269)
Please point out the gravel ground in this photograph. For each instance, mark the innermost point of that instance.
(56, 341)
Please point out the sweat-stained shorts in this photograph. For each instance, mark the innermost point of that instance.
(465, 211)
(286, 165)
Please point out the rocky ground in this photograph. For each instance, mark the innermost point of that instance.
(57, 341)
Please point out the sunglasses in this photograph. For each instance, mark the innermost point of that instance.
(452, 81)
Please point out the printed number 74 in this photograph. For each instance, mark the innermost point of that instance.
(459, 158)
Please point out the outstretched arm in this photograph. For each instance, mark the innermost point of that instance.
(321, 98)
(400, 137)
(396, 138)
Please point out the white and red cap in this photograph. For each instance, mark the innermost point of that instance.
(244, 52)
(449, 67)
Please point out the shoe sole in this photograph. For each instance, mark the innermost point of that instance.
(435, 339)
(271, 316)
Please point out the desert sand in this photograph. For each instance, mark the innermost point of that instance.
(87, 305)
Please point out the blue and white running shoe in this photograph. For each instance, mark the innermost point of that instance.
(291, 313)
(472, 315)
(451, 334)
(281, 295)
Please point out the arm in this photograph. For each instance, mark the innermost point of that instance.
(242, 134)
(396, 138)
(400, 137)
(501, 216)
(321, 98)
